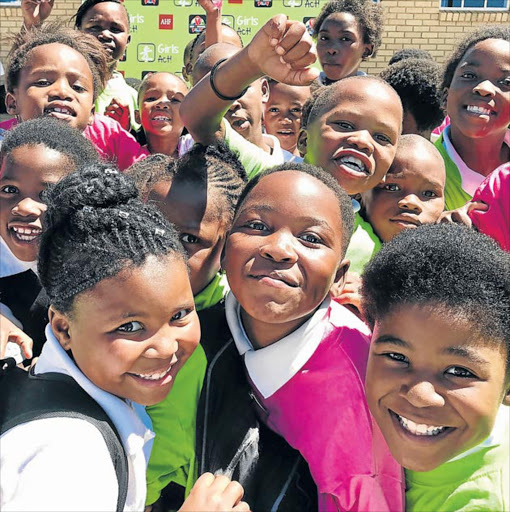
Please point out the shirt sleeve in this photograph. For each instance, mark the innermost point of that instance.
(56, 464)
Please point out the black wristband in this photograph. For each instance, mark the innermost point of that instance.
(213, 87)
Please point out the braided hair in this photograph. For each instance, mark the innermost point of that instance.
(96, 226)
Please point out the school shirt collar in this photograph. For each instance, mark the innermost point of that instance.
(10, 265)
(133, 433)
(272, 367)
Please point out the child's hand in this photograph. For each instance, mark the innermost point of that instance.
(11, 333)
(120, 112)
(283, 50)
(215, 494)
(211, 6)
(348, 294)
(461, 215)
(35, 11)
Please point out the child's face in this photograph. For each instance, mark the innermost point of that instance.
(433, 384)
(340, 45)
(131, 334)
(108, 23)
(283, 253)
(25, 174)
(478, 99)
(282, 113)
(355, 138)
(56, 81)
(197, 217)
(411, 195)
(245, 114)
(160, 103)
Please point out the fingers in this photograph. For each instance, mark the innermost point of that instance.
(275, 28)
(477, 205)
(242, 507)
(24, 341)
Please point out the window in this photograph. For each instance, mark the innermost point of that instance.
(473, 5)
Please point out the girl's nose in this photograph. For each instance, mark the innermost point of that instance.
(410, 202)
(279, 247)
(423, 394)
(29, 208)
(485, 88)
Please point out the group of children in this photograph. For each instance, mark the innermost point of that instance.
(266, 288)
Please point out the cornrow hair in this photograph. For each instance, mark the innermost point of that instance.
(217, 168)
(53, 134)
(146, 173)
(87, 4)
(479, 35)
(344, 201)
(96, 226)
(368, 14)
(86, 45)
(449, 267)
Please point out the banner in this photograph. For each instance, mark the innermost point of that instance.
(160, 29)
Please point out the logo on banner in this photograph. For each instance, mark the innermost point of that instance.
(228, 20)
(196, 23)
(150, 2)
(292, 3)
(166, 22)
(263, 3)
(183, 3)
(146, 52)
(309, 22)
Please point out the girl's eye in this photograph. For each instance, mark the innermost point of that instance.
(458, 371)
(391, 187)
(180, 315)
(257, 226)
(429, 193)
(42, 82)
(175, 100)
(383, 138)
(505, 82)
(9, 189)
(344, 125)
(296, 110)
(467, 75)
(130, 327)
(345, 39)
(150, 98)
(273, 109)
(311, 238)
(323, 38)
(395, 356)
(189, 239)
(79, 88)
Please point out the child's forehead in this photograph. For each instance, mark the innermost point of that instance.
(110, 9)
(165, 80)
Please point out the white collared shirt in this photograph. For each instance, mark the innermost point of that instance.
(10, 265)
(64, 463)
(471, 180)
(273, 366)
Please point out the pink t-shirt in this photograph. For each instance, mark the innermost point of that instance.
(111, 141)
(495, 191)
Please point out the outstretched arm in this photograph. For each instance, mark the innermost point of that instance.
(213, 23)
(282, 49)
(35, 11)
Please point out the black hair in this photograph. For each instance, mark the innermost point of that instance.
(368, 14)
(417, 83)
(87, 4)
(214, 167)
(188, 49)
(95, 227)
(53, 134)
(143, 83)
(481, 34)
(151, 170)
(133, 82)
(323, 96)
(344, 201)
(446, 266)
(409, 53)
(86, 45)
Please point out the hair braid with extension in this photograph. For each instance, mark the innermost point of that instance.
(96, 226)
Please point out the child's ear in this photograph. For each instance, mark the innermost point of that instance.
(60, 327)
(341, 273)
(264, 86)
(137, 117)
(91, 117)
(368, 51)
(302, 141)
(128, 40)
(11, 104)
(506, 396)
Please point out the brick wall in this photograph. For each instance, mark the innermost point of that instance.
(409, 23)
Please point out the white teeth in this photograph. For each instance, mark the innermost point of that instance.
(478, 110)
(60, 110)
(353, 163)
(420, 429)
(154, 376)
(161, 118)
(26, 234)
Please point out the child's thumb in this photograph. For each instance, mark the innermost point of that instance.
(276, 27)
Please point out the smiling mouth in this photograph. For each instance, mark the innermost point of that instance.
(161, 118)
(353, 163)
(286, 132)
(481, 111)
(240, 124)
(276, 280)
(156, 376)
(25, 235)
(409, 222)
(59, 112)
(420, 429)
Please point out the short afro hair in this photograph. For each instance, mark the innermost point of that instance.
(344, 201)
(87, 4)
(479, 35)
(409, 53)
(445, 266)
(417, 83)
(148, 172)
(86, 45)
(368, 14)
(53, 134)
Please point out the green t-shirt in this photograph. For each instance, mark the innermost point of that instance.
(174, 419)
(364, 245)
(477, 482)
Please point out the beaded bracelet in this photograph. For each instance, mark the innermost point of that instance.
(213, 87)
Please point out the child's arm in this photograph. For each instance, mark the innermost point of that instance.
(213, 21)
(35, 12)
(215, 494)
(281, 49)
